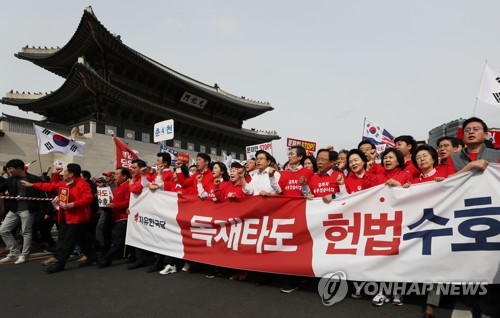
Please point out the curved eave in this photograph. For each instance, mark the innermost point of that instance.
(83, 40)
(82, 76)
(43, 122)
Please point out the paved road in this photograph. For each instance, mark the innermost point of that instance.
(117, 292)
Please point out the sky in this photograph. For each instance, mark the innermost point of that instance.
(324, 66)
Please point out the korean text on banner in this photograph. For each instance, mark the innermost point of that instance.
(309, 146)
(251, 150)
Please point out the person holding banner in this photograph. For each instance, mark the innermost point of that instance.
(202, 164)
(261, 179)
(75, 199)
(19, 211)
(357, 179)
(476, 155)
(177, 186)
(231, 189)
(220, 174)
(325, 183)
(425, 158)
(139, 171)
(260, 185)
(394, 174)
(289, 182)
(162, 178)
(289, 185)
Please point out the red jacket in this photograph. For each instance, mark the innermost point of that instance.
(225, 188)
(290, 181)
(354, 184)
(396, 174)
(411, 169)
(121, 198)
(136, 186)
(376, 168)
(190, 184)
(167, 176)
(435, 173)
(321, 185)
(80, 195)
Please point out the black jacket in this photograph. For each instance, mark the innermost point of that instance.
(10, 185)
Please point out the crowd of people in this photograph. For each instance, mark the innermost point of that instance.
(99, 231)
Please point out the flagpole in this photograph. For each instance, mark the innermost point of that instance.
(480, 85)
(114, 149)
(102, 170)
(363, 130)
(38, 150)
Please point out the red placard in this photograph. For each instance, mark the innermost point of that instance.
(63, 197)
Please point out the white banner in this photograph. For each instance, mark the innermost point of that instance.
(251, 150)
(437, 218)
(152, 223)
(445, 231)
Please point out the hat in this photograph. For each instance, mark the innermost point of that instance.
(108, 174)
(100, 180)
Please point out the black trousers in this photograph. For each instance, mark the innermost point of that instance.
(75, 233)
(104, 228)
(118, 241)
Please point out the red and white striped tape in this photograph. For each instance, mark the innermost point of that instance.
(6, 197)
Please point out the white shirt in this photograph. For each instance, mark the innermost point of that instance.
(261, 182)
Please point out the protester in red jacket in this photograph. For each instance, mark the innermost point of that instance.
(325, 183)
(139, 170)
(163, 177)
(202, 162)
(75, 197)
(219, 174)
(425, 158)
(394, 174)
(231, 189)
(119, 206)
(370, 151)
(289, 182)
(358, 178)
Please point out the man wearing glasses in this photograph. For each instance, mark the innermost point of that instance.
(476, 155)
